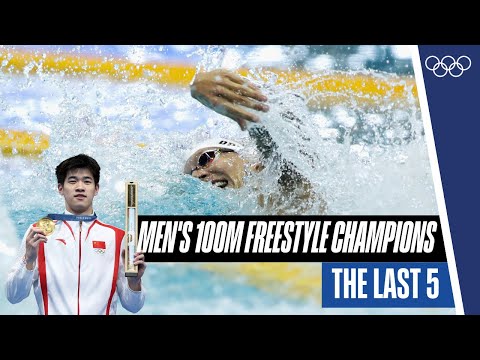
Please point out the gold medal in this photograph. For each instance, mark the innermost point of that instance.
(47, 225)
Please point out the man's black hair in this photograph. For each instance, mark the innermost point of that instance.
(80, 161)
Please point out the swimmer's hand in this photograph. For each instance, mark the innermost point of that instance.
(224, 92)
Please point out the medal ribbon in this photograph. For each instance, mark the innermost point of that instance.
(68, 217)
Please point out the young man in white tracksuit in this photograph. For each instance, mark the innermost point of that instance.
(78, 268)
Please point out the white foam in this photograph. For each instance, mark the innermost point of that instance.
(8, 239)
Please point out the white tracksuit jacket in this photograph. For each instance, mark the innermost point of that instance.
(78, 271)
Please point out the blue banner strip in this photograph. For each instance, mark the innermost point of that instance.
(451, 76)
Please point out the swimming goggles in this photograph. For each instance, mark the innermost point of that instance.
(208, 157)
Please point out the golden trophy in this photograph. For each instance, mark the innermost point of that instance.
(131, 218)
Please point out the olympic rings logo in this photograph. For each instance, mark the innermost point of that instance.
(448, 65)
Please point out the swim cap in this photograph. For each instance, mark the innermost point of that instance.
(217, 143)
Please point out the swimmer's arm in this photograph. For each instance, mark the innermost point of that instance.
(20, 278)
(264, 142)
(295, 188)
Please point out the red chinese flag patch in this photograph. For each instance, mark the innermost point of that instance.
(99, 244)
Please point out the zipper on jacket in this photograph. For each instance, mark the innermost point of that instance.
(79, 262)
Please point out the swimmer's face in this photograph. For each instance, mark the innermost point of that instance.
(79, 189)
(224, 169)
